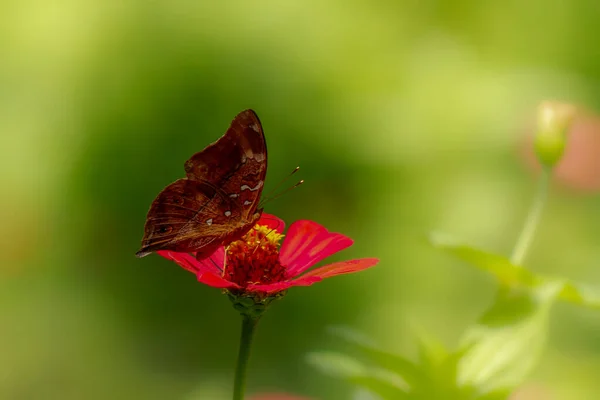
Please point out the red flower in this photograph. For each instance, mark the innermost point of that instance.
(256, 265)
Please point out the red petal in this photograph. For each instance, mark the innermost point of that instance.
(307, 243)
(279, 286)
(272, 222)
(189, 262)
(339, 268)
(305, 281)
(216, 281)
(186, 261)
(217, 260)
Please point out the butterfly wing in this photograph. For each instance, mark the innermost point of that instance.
(181, 217)
(218, 201)
(236, 163)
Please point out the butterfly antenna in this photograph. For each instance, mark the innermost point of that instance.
(278, 195)
(215, 264)
(279, 222)
(266, 197)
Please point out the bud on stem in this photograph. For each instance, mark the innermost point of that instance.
(554, 121)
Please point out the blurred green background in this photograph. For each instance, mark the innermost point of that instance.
(405, 116)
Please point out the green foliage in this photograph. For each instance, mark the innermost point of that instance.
(375, 379)
(496, 354)
(435, 375)
(508, 339)
(511, 275)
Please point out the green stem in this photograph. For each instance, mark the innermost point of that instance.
(533, 219)
(248, 328)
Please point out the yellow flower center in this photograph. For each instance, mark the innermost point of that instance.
(254, 259)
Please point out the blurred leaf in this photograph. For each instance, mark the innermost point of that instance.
(502, 394)
(336, 364)
(380, 388)
(441, 369)
(381, 382)
(362, 394)
(512, 275)
(501, 356)
(402, 366)
(351, 335)
(578, 293)
(437, 372)
(432, 352)
(506, 272)
(510, 307)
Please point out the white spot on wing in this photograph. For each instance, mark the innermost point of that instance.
(254, 128)
(227, 213)
(246, 187)
(247, 203)
(209, 222)
(233, 195)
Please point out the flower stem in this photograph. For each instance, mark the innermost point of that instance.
(533, 219)
(239, 383)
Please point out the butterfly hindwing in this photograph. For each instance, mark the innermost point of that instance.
(181, 217)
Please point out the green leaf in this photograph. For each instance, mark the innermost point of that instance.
(512, 275)
(440, 366)
(511, 306)
(402, 366)
(506, 272)
(502, 394)
(336, 364)
(432, 352)
(435, 377)
(502, 355)
(379, 381)
(577, 293)
(379, 387)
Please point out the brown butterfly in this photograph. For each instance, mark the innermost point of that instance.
(217, 202)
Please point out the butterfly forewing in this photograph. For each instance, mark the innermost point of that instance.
(217, 202)
(236, 163)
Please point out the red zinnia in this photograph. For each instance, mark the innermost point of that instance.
(255, 265)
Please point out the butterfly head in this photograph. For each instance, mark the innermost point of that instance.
(256, 216)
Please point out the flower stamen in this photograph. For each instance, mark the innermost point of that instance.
(254, 259)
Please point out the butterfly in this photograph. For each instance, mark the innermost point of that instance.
(218, 200)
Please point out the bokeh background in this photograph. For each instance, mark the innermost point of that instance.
(404, 116)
